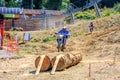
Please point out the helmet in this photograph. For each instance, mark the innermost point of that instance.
(64, 27)
(91, 22)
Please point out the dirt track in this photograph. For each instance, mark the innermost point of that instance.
(99, 50)
(101, 69)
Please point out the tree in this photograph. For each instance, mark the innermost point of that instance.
(78, 3)
(53, 4)
(109, 3)
(38, 4)
(2, 3)
(18, 3)
(9, 3)
(64, 4)
(27, 4)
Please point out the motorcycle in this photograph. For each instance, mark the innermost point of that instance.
(61, 39)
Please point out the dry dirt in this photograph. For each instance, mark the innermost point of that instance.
(100, 61)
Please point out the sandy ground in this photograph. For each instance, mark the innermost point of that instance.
(102, 68)
(100, 61)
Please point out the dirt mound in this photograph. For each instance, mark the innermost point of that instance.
(104, 44)
(114, 38)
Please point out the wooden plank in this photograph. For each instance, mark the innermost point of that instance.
(55, 64)
(40, 64)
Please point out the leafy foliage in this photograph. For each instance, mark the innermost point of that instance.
(47, 39)
(38, 4)
(109, 3)
(78, 3)
(89, 14)
(9, 3)
(2, 3)
(107, 12)
(64, 4)
(53, 4)
(117, 8)
(27, 4)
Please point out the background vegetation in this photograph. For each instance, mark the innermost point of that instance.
(90, 14)
(51, 4)
(107, 7)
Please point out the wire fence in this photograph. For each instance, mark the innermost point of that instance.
(35, 23)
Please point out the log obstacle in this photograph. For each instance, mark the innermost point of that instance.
(42, 63)
(61, 62)
(56, 63)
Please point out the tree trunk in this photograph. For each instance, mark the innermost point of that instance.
(45, 65)
(67, 61)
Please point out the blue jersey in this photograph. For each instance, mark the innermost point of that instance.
(64, 32)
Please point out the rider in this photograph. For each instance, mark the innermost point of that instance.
(91, 27)
(65, 32)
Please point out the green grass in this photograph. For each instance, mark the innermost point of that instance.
(47, 39)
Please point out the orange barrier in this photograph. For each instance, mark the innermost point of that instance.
(2, 25)
(12, 46)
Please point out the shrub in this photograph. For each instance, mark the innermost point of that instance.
(85, 15)
(107, 12)
(47, 39)
(117, 7)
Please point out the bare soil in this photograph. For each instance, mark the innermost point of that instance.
(100, 60)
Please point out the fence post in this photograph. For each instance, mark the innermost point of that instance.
(44, 19)
(72, 18)
(114, 58)
(89, 69)
(71, 13)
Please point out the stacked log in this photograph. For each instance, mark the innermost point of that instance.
(67, 61)
(46, 64)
